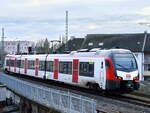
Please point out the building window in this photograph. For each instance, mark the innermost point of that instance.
(147, 67)
(101, 44)
(90, 44)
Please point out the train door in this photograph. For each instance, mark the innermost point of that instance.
(56, 68)
(102, 74)
(75, 73)
(36, 67)
(25, 66)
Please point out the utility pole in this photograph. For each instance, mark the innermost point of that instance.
(144, 42)
(66, 45)
(2, 47)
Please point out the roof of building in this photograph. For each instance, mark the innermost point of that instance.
(133, 42)
(73, 45)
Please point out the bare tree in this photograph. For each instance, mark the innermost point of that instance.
(46, 46)
(2, 53)
(42, 46)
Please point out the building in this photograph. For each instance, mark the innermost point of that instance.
(12, 47)
(72, 45)
(138, 43)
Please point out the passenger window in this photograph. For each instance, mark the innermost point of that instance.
(18, 63)
(65, 67)
(31, 64)
(7, 62)
(107, 64)
(42, 65)
(10, 62)
(50, 66)
(86, 69)
(101, 65)
(22, 64)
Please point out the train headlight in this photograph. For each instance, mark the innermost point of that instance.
(120, 78)
(136, 78)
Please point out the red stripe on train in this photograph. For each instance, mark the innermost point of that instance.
(25, 65)
(56, 64)
(75, 70)
(36, 66)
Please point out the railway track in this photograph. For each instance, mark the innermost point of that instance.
(141, 95)
(128, 98)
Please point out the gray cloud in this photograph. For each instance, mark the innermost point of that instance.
(33, 19)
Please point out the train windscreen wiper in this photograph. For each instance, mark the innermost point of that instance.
(122, 66)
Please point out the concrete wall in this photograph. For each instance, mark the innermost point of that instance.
(140, 58)
(144, 73)
(2, 93)
(27, 106)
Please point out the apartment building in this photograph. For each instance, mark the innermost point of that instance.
(11, 47)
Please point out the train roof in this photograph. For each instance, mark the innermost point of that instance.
(77, 53)
(100, 52)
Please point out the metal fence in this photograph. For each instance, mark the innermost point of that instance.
(63, 100)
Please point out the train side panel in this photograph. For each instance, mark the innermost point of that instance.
(76, 77)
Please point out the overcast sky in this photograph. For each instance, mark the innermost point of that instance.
(36, 19)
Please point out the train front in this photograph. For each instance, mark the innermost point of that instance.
(123, 73)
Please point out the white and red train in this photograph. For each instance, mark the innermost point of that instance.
(114, 69)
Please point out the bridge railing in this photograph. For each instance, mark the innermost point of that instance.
(63, 100)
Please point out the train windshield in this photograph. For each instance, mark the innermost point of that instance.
(125, 62)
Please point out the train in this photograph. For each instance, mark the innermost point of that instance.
(102, 70)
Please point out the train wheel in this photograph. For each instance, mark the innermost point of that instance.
(97, 88)
(89, 85)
